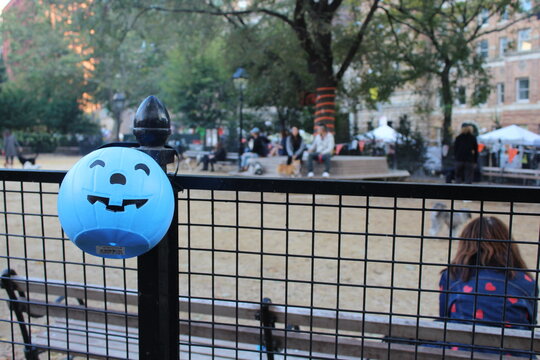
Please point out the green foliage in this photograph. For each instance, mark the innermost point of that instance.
(41, 54)
(3, 74)
(48, 79)
(439, 38)
(411, 150)
(39, 142)
(196, 85)
(17, 110)
(276, 65)
(22, 110)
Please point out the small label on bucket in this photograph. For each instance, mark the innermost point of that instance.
(110, 250)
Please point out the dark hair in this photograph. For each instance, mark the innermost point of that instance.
(475, 250)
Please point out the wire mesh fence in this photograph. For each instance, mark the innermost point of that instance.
(282, 269)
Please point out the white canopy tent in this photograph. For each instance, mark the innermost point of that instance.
(383, 133)
(512, 134)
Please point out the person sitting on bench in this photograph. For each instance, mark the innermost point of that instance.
(294, 146)
(218, 154)
(487, 282)
(321, 149)
(258, 148)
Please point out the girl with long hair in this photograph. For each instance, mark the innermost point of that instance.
(487, 281)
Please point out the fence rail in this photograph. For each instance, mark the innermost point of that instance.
(267, 268)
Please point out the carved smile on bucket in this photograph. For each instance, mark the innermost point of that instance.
(116, 208)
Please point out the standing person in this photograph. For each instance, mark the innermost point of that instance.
(294, 146)
(218, 154)
(465, 154)
(487, 281)
(258, 148)
(321, 149)
(11, 148)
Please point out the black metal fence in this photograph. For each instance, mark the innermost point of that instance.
(268, 268)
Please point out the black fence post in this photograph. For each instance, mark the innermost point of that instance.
(268, 321)
(157, 270)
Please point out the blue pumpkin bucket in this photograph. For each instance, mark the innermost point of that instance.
(116, 203)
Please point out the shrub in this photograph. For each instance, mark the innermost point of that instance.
(40, 142)
(411, 150)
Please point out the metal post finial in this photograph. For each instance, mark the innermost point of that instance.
(152, 127)
(152, 124)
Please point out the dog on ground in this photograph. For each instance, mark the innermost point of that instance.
(289, 170)
(256, 168)
(187, 163)
(440, 216)
(28, 162)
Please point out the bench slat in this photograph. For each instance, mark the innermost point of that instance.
(304, 317)
(407, 328)
(80, 342)
(76, 290)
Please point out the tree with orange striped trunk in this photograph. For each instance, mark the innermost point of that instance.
(317, 25)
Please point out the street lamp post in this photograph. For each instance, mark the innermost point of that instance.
(118, 104)
(240, 78)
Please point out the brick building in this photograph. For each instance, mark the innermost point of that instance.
(513, 60)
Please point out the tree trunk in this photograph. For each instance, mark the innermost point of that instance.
(325, 102)
(282, 114)
(447, 106)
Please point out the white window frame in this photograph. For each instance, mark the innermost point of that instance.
(503, 46)
(519, 90)
(483, 51)
(523, 39)
(500, 93)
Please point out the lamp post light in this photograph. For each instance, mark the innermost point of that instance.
(240, 79)
(118, 104)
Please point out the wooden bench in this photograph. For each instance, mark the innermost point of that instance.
(342, 167)
(191, 156)
(524, 174)
(222, 329)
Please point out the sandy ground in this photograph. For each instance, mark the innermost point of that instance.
(320, 247)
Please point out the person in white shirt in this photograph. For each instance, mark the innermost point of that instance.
(321, 150)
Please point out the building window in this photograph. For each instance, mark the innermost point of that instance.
(483, 49)
(503, 46)
(524, 40)
(504, 15)
(500, 93)
(483, 17)
(522, 89)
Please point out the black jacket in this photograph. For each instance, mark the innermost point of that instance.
(260, 146)
(220, 154)
(466, 148)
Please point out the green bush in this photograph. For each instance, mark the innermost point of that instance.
(66, 140)
(39, 142)
(411, 151)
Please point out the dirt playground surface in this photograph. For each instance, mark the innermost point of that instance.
(321, 248)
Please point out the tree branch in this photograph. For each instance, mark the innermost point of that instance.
(358, 41)
(269, 12)
(300, 28)
(405, 54)
(426, 31)
(477, 34)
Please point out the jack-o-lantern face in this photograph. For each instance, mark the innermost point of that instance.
(116, 203)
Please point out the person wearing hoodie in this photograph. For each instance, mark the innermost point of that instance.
(321, 150)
